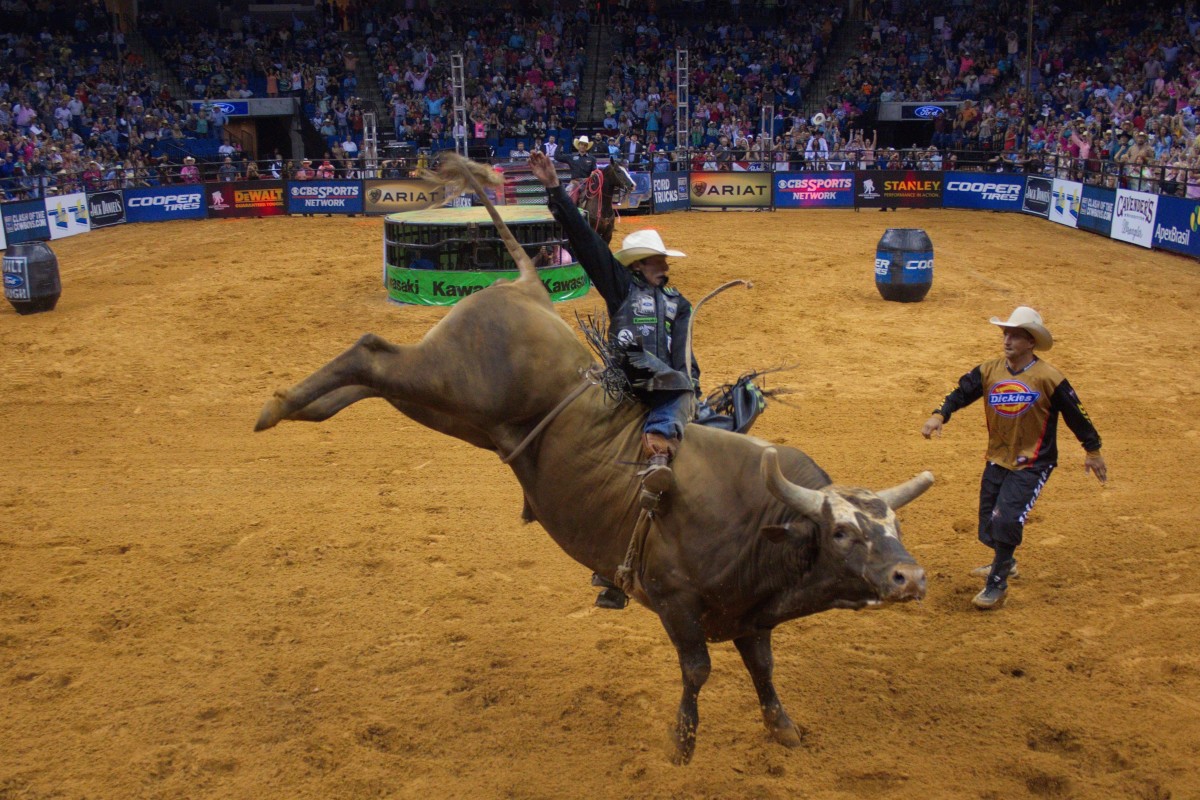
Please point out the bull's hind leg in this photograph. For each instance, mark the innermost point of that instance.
(399, 371)
(687, 635)
(759, 661)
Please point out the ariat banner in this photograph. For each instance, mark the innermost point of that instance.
(245, 199)
(387, 197)
(325, 197)
(670, 191)
(813, 189)
(25, 222)
(433, 287)
(67, 215)
(887, 188)
(731, 189)
(106, 208)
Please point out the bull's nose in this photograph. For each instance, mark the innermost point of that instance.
(907, 582)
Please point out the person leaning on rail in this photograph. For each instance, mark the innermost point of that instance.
(1023, 398)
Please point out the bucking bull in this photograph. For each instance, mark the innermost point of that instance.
(752, 535)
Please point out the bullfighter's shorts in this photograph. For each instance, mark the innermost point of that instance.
(1006, 496)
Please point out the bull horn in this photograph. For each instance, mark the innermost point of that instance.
(806, 501)
(905, 493)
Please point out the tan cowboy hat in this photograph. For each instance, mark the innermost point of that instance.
(643, 244)
(583, 143)
(1028, 320)
(189, 160)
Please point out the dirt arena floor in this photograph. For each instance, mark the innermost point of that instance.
(353, 609)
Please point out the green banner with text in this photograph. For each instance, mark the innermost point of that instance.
(432, 287)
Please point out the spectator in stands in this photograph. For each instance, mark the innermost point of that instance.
(227, 173)
(190, 173)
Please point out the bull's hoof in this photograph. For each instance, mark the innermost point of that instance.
(683, 746)
(271, 414)
(786, 735)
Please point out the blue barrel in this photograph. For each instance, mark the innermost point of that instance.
(31, 281)
(904, 265)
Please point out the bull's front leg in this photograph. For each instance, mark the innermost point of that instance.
(686, 634)
(760, 662)
(376, 366)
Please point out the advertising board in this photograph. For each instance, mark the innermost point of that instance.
(1065, 200)
(390, 196)
(67, 215)
(245, 199)
(1096, 209)
(814, 189)
(106, 208)
(25, 222)
(1177, 225)
(891, 188)
(163, 203)
(670, 191)
(325, 197)
(1039, 191)
(731, 189)
(996, 191)
(1133, 217)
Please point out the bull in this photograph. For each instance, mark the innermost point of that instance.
(751, 535)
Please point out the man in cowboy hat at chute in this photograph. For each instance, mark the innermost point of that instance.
(648, 327)
(581, 162)
(1024, 397)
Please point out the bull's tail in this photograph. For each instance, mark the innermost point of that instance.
(458, 175)
(696, 310)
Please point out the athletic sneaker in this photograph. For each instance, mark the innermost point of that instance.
(986, 569)
(992, 596)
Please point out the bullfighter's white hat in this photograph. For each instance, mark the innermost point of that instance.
(643, 244)
(1028, 320)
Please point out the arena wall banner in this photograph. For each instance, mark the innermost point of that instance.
(1065, 200)
(387, 197)
(325, 197)
(67, 215)
(244, 199)
(639, 195)
(1039, 192)
(670, 191)
(25, 222)
(731, 189)
(164, 203)
(814, 189)
(1177, 226)
(893, 188)
(106, 208)
(990, 191)
(1133, 217)
(435, 287)
(1096, 210)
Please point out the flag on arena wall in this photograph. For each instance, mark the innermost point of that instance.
(1133, 217)
(992, 191)
(325, 197)
(1065, 200)
(1039, 191)
(245, 199)
(390, 196)
(1177, 225)
(1096, 209)
(670, 191)
(163, 203)
(25, 222)
(106, 208)
(814, 189)
(67, 215)
(731, 189)
(894, 188)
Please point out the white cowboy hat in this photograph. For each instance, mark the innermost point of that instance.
(1028, 320)
(583, 143)
(643, 244)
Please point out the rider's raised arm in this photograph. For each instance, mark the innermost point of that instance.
(608, 276)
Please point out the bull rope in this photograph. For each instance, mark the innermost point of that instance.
(590, 378)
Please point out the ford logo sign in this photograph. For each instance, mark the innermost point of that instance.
(926, 112)
(13, 281)
(228, 108)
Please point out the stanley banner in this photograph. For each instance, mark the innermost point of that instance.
(893, 188)
(387, 197)
(731, 190)
(437, 287)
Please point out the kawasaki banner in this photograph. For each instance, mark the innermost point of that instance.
(435, 287)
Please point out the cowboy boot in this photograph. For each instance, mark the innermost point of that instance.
(658, 477)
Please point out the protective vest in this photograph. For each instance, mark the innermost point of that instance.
(647, 314)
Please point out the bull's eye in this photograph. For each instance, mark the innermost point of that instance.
(839, 534)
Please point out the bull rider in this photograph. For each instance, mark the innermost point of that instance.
(648, 325)
(1024, 397)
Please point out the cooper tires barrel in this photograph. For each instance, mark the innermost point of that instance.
(31, 280)
(904, 265)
